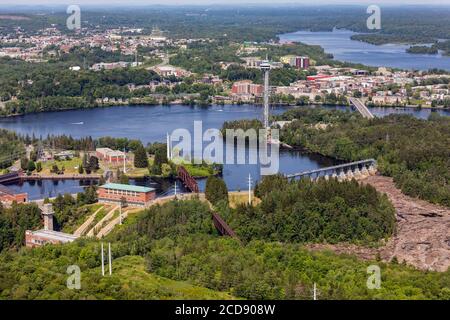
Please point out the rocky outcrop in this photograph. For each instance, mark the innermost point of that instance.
(422, 236)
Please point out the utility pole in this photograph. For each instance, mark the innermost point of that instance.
(168, 145)
(316, 292)
(175, 188)
(110, 260)
(103, 263)
(120, 213)
(124, 161)
(249, 189)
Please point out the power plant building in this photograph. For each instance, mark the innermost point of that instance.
(133, 195)
(47, 235)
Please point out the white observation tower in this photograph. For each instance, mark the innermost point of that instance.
(265, 68)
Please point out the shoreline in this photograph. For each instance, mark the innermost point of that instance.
(325, 105)
(365, 41)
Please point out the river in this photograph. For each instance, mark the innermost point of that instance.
(339, 44)
(150, 124)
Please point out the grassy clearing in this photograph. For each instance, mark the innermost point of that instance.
(136, 283)
(70, 166)
(199, 170)
(132, 171)
(237, 198)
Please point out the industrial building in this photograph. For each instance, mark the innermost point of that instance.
(109, 155)
(47, 235)
(42, 237)
(133, 195)
(8, 196)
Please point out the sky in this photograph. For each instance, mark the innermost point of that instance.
(207, 2)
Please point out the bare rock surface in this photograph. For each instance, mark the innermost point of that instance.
(422, 237)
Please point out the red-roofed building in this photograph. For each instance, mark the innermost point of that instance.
(318, 77)
(8, 195)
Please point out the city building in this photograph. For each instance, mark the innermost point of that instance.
(109, 155)
(133, 195)
(109, 66)
(300, 62)
(8, 195)
(317, 77)
(42, 237)
(167, 71)
(252, 62)
(47, 235)
(247, 87)
(64, 155)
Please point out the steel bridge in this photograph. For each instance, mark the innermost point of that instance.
(222, 227)
(347, 171)
(189, 182)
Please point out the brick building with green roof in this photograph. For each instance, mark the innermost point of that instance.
(136, 196)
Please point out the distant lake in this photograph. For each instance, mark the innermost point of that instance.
(343, 48)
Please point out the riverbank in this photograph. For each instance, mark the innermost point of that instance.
(347, 45)
(235, 104)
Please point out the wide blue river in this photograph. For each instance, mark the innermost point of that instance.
(343, 48)
(150, 124)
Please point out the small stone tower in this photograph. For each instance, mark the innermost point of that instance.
(47, 212)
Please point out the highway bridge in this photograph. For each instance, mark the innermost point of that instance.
(361, 107)
(347, 171)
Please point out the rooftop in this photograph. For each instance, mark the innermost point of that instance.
(127, 187)
(55, 235)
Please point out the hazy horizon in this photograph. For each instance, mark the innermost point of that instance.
(222, 2)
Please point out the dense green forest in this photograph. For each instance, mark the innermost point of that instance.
(305, 211)
(52, 86)
(250, 23)
(271, 270)
(172, 251)
(42, 274)
(415, 152)
(423, 50)
(206, 57)
(14, 221)
(445, 46)
(11, 148)
(20, 217)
